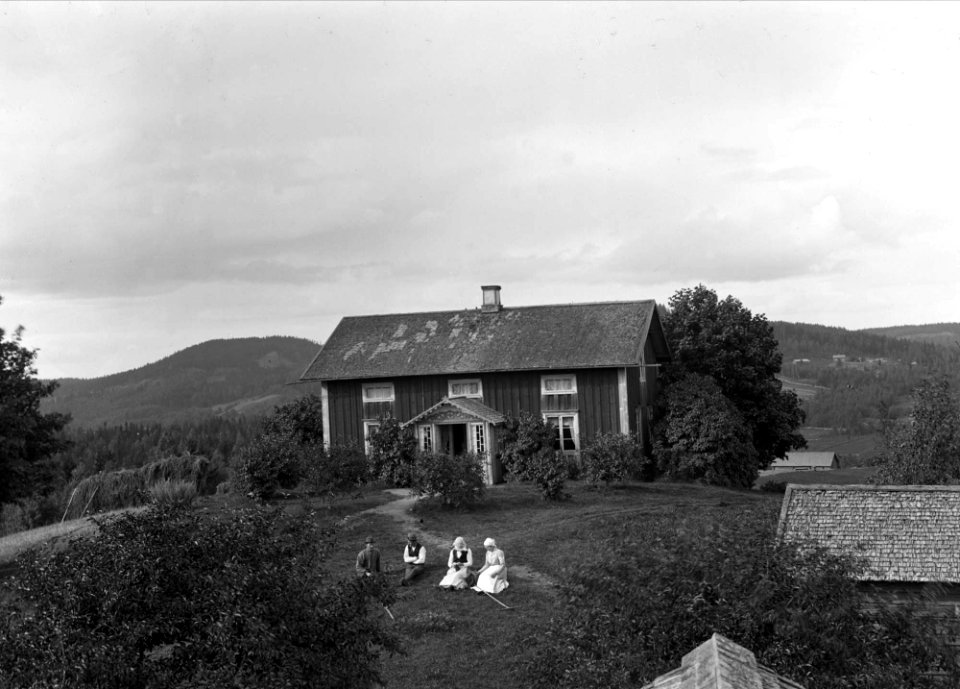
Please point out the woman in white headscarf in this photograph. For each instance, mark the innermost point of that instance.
(492, 577)
(458, 566)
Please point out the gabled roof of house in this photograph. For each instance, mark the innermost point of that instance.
(805, 459)
(470, 407)
(719, 663)
(901, 533)
(567, 336)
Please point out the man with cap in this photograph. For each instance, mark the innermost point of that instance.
(414, 559)
(368, 560)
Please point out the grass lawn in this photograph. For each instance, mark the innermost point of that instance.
(467, 640)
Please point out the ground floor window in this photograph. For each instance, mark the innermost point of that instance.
(369, 427)
(426, 437)
(479, 439)
(567, 435)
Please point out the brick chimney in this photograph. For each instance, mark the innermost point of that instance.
(491, 298)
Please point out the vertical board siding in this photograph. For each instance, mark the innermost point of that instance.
(346, 412)
(599, 405)
(633, 396)
(510, 393)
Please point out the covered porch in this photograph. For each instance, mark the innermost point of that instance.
(457, 425)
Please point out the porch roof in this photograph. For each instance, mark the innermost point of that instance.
(466, 405)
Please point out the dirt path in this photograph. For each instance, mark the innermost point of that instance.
(399, 510)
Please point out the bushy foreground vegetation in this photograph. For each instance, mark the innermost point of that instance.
(168, 598)
(654, 589)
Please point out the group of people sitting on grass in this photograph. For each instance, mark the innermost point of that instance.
(490, 578)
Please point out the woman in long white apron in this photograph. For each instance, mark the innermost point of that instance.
(492, 577)
(458, 575)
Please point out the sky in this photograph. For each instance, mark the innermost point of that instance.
(174, 173)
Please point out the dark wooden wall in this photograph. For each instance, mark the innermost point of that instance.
(507, 392)
(939, 603)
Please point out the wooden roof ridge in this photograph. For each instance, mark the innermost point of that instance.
(719, 663)
(478, 310)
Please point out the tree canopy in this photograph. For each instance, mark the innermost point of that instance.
(925, 449)
(722, 340)
(27, 436)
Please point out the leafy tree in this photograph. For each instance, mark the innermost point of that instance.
(925, 449)
(393, 453)
(702, 436)
(341, 468)
(665, 584)
(170, 598)
(723, 340)
(614, 457)
(269, 462)
(456, 481)
(528, 452)
(26, 435)
(302, 418)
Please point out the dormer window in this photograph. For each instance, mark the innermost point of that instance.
(466, 387)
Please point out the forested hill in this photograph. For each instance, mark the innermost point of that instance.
(237, 376)
(905, 344)
(947, 334)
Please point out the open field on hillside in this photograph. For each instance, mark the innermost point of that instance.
(466, 640)
(852, 476)
(857, 448)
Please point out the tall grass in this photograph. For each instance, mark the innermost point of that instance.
(132, 487)
(171, 492)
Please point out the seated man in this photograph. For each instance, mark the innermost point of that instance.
(368, 560)
(414, 559)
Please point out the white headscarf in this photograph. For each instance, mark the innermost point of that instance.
(489, 542)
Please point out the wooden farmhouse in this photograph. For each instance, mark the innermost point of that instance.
(907, 537)
(804, 461)
(452, 375)
(719, 663)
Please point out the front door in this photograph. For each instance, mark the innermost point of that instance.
(453, 439)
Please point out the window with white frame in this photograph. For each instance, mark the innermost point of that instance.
(558, 385)
(558, 393)
(567, 434)
(369, 428)
(378, 392)
(479, 439)
(426, 437)
(468, 387)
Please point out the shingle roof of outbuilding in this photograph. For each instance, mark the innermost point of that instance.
(902, 533)
(719, 663)
(472, 341)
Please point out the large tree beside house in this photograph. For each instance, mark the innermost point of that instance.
(722, 340)
(453, 377)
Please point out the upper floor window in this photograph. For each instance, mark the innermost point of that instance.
(558, 385)
(378, 392)
(470, 387)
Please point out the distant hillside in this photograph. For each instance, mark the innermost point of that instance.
(947, 334)
(239, 376)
